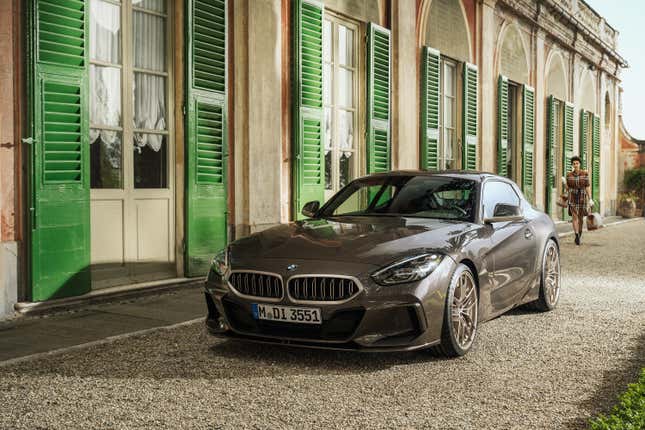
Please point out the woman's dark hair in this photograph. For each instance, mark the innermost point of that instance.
(576, 158)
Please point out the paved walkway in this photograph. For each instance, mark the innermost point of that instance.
(30, 335)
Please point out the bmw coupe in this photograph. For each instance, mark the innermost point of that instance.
(395, 261)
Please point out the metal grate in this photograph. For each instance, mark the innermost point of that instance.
(470, 117)
(210, 151)
(62, 132)
(322, 288)
(430, 112)
(256, 284)
(61, 32)
(209, 55)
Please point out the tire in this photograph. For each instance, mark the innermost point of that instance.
(549, 279)
(458, 331)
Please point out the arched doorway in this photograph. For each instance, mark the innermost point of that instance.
(556, 91)
(516, 110)
(445, 36)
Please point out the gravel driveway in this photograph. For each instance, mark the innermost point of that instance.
(527, 370)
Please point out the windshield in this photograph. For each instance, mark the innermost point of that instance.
(410, 196)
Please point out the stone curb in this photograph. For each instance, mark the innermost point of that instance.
(106, 295)
(622, 221)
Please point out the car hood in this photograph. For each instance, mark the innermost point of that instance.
(370, 240)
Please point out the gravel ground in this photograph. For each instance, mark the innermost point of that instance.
(528, 370)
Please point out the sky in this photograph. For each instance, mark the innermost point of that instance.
(628, 17)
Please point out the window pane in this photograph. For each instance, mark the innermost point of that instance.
(346, 164)
(328, 133)
(327, 41)
(327, 89)
(328, 170)
(105, 159)
(345, 46)
(150, 161)
(448, 148)
(154, 5)
(149, 102)
(105, 32)
(149, 41)
(346, 130)
(448, 112)
(449, 80)
(345, 88)
(105, 95)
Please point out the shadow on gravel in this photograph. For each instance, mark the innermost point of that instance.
(614, 383)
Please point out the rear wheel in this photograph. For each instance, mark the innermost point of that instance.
(460, 315)
(549, 279)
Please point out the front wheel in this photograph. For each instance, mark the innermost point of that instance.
(460, 315)
(549, 279)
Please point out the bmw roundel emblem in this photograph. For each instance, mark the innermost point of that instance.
(292, 267)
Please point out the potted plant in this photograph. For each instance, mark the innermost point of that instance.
(627, 204)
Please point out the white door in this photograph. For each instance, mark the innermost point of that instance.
(132, 150)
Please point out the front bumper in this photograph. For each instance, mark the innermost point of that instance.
(378, 318)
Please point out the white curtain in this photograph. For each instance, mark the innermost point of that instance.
(105, 82)
(149, 90)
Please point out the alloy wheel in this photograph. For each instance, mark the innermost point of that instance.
(464, 311)
(551, 274)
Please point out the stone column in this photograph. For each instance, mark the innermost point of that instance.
(258, 114)
(488, 85)
(405, 86)
(539, 150)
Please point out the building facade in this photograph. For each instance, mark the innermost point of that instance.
(145, 134)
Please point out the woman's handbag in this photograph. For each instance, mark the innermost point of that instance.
(563, 201)
(594, 221)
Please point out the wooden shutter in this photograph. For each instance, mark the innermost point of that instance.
(469, 156)
(59, 183)
(378, 99)
(582, 149)
(430, 102)
(307, 104)
(528, 141)
(568, 145)
(206, 146)
(502, 125)
(551, 151)
(595, 163)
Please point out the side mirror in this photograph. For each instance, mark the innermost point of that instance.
(505, 213)
(310, 208)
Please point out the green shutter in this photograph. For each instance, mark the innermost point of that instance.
(595, 162)
(430, 99)
(568, 144)
(469, 156)
(206, 146)
(528, 141)
(551, 151)
(502, 125)
(307, 104)
(59, 185)
(378, 99)
(582, 150)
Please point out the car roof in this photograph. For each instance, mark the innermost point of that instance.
(466, 174)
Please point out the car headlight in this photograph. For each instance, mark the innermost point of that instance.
(408, 270)
(220, 262)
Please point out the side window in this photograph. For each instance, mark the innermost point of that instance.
(496, 192)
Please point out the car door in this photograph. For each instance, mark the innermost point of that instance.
(512, 248)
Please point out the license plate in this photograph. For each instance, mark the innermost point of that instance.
(286, 313)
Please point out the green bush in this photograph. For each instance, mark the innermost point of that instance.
(629, 414)
(635, 181)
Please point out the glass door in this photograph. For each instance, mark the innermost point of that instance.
(131, 149)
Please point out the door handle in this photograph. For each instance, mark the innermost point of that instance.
(528, 234)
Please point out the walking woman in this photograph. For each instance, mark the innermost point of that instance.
(579, 200)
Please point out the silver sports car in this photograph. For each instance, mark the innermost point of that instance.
(395, 261)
